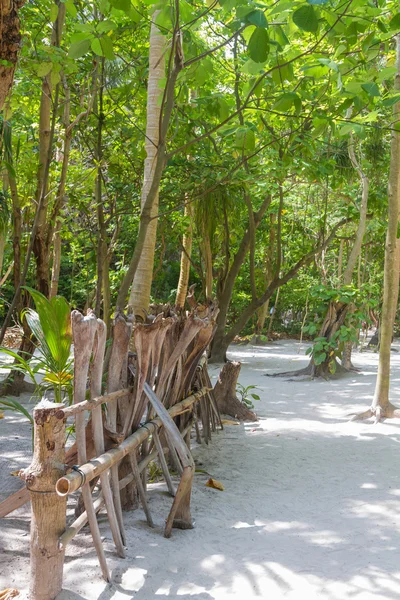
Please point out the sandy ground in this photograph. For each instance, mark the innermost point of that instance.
(311, 507)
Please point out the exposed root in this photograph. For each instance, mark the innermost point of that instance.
(378, 412)
(313, 371)
(299, 373)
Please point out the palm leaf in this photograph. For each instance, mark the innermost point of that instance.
(15, 406)
(52, 327)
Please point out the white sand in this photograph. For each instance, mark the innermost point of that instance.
(311, 507)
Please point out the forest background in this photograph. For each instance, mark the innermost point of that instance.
(241, 146)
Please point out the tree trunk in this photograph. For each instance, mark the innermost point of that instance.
(185, 258)
(55, 271)
(10, 37)
(141, 287)
(268, 275)
(381, 405)
(46, 132)
(208, 266)
(48, 509)
(272, 316)
(254, 305)
(225, 394)
(224, 296)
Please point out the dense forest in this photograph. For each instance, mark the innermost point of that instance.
(240, 146)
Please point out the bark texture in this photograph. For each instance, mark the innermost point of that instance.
(48, 509)
(185, 259)
(381, 405)
(225, 394)
(10, 37)
(140, 294)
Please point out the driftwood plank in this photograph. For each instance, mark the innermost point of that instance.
(14, 501)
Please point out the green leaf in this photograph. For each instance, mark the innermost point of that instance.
(371, 89)
(96, 47)
(71, 8)
(259, 45)
(395, 22)
(348, 128)
(44, 69)
(53, 13)
(287, 101)
(107, 47)
(80, 48)
(51, 325)
(391, 101)
(106, 26)
(306, 19)
(257, 17)
(124, 5)
(15, 406)
(252, 68)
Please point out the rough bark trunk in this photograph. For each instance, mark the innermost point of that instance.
(48, 509)
(225, 394)
(55, 271)
(46, 132)
(10, 37)
(186, 254)
(141, 288)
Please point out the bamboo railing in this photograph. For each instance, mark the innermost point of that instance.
(142, 408)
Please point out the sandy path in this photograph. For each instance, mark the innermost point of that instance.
(311, 507)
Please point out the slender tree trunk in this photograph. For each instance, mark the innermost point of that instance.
(381, 405)
(263, 311)
(272, 317)
(10, 37)
(102, 232)
(340, 260)
(3, 239)
(219, 347)
(208, 266)
(355, 253)
(185, 258)
(254, 305)
(55, 271)
(48, 106)
(141, 288)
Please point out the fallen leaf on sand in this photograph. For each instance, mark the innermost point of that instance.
(229, 422)
(8, 593)
(216, 485)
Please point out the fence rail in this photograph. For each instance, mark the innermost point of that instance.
(113, 445)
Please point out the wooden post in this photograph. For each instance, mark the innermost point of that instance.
(48, 508)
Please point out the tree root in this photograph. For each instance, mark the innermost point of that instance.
(378, 412)
(313, 372)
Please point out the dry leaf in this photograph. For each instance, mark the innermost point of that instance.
(8, 594)
(1, 415)
(216, 485)
(229, 422)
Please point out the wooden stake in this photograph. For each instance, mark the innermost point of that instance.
(48, 509)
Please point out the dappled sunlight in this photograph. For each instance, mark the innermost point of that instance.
(310, 507)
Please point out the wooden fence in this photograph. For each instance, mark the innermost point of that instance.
(147, 412)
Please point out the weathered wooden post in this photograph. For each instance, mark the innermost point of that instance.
(48, 508)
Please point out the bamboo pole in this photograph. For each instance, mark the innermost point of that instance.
(98, 504)
(73, 481)
(74, 409)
